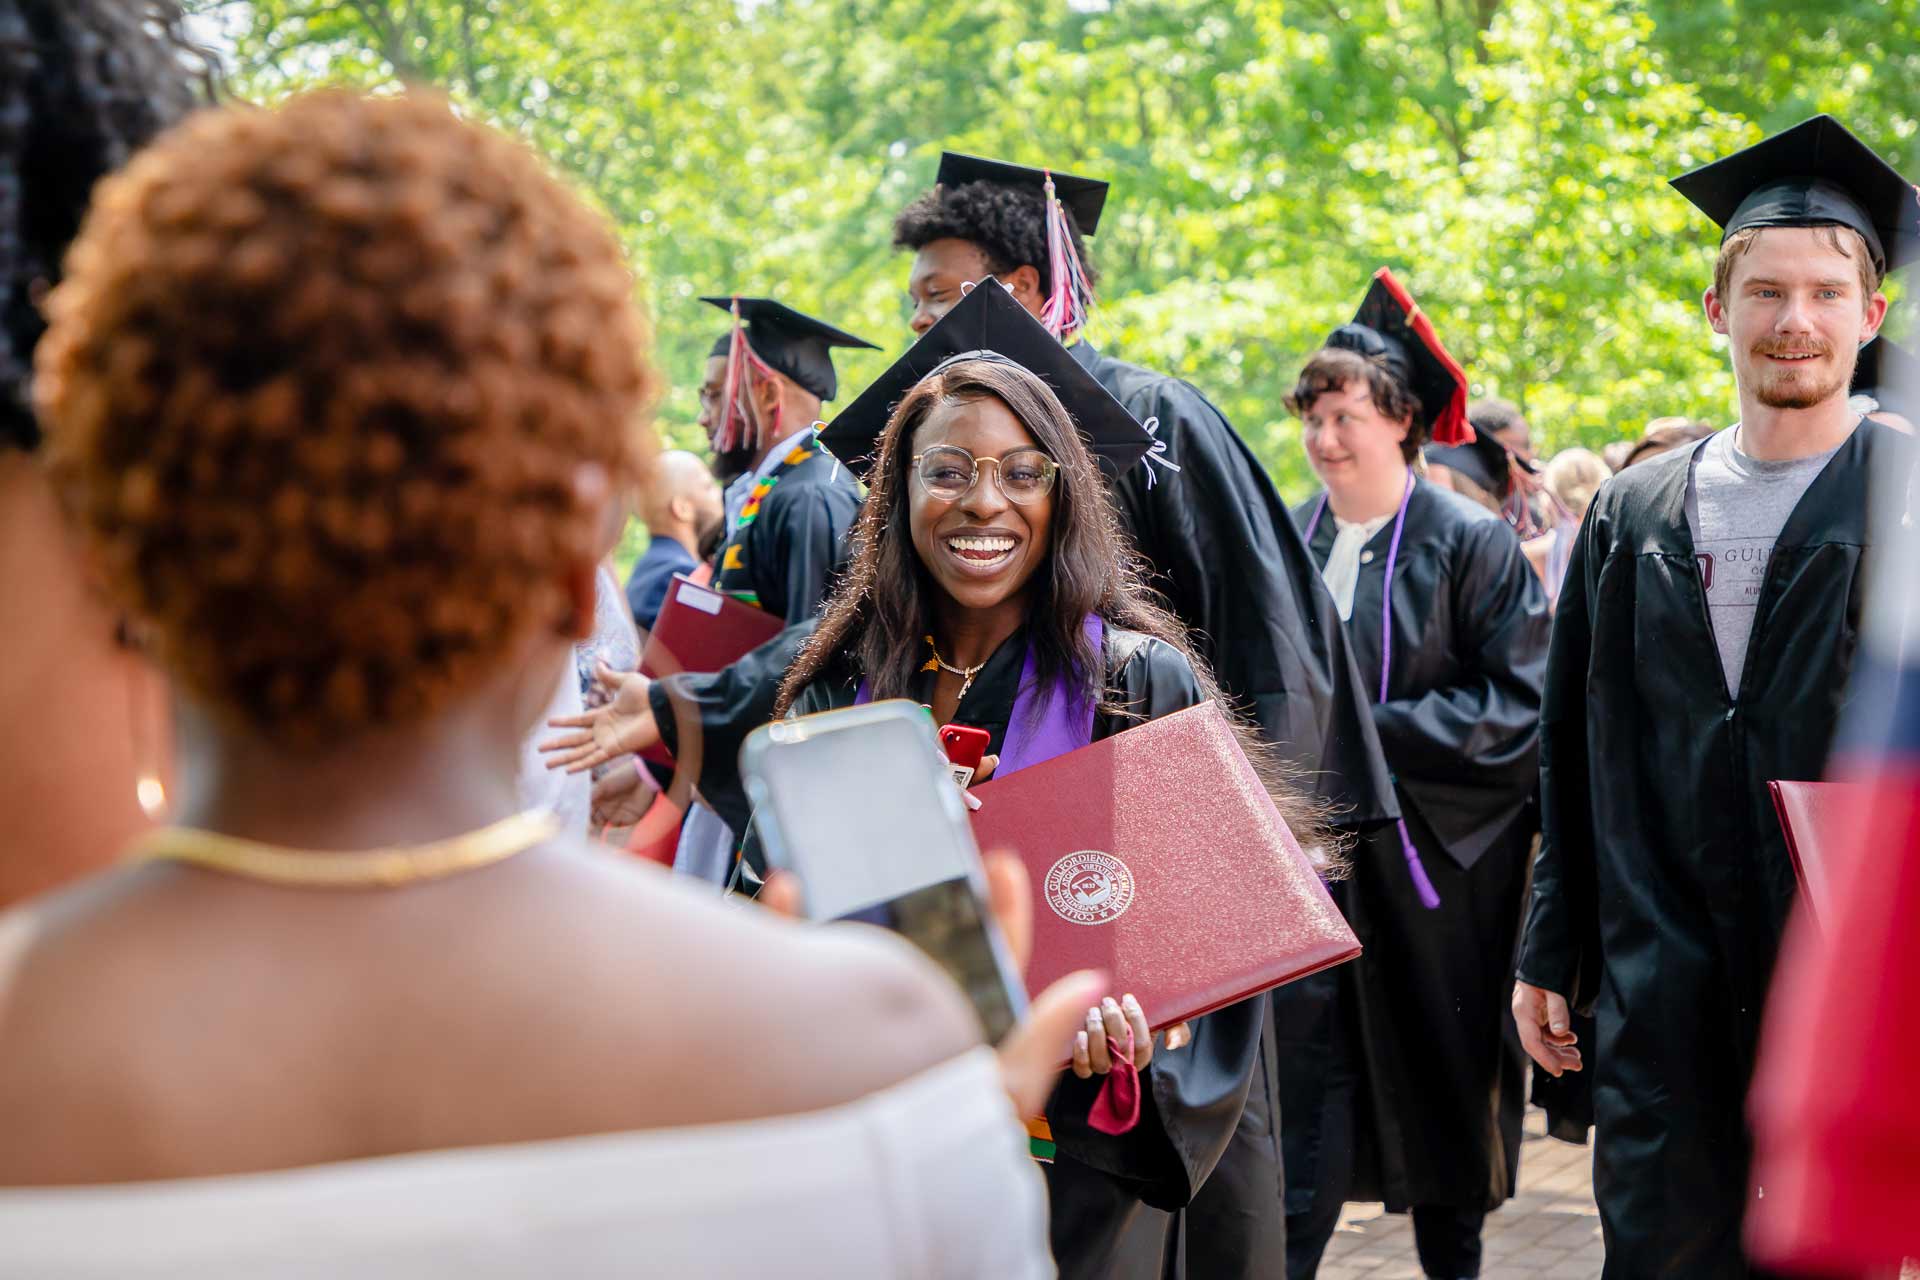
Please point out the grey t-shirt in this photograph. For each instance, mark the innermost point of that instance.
(1736, 507)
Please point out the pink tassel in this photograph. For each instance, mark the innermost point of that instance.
(1064, 314)
(735, 426)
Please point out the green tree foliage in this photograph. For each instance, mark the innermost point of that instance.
(1507, 157)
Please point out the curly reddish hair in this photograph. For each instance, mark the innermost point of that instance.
(316, 389)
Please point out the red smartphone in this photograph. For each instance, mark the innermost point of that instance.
(965, 746)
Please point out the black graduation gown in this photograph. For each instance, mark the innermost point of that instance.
(1192, 1098)
(1663, 880)
(1233, 568)
(784, 560)
(1429, 996)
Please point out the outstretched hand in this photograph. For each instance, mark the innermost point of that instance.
(622, 726)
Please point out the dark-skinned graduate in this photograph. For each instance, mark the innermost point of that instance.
(788, 503)
(1710, 619)
(1400, 1079)
(992, 582)
(1223, 550)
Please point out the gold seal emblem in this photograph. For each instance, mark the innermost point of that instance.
(1089, 887)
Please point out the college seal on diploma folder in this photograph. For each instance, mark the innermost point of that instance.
(1089, 887)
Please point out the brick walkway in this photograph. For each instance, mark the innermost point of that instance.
(1549, 1231)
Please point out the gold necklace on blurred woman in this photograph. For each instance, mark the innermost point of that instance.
(385, 868)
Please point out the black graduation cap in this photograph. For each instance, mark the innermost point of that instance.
(1814, 174)
(1483, 460)
(1083, 197)
(797, 345)
(989, 320)
(1391, 327)
(1890, 374)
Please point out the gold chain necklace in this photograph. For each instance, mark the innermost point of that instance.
(361, 869)
(966, 674)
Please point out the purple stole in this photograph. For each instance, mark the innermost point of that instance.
(1043, 724)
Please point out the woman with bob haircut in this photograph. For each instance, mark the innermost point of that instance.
(337, 395)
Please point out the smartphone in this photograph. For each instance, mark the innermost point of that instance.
(966, 747)
(860, 805)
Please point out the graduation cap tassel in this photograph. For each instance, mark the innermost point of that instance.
(738, 424)
(727, 440)
(1071, 298)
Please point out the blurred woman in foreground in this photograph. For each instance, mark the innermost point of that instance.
(337, 395)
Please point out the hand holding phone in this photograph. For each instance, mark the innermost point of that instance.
(965, 747)
(857, 804)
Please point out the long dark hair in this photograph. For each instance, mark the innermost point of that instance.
(883, 605)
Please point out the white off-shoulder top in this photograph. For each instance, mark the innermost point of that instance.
(929, 1178)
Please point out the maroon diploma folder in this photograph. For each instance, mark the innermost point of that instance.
(1157, 855)
(700, 629)
(1816, 817)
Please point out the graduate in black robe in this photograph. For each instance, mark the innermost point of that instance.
(1194, 1098)
(790, 506)
(1663, 880)
(1400, 1081)
(1221, 548)
(789, 509)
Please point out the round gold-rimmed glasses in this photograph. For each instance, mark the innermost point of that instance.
(948, 472)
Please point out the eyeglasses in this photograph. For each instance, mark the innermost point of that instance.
(948, 472)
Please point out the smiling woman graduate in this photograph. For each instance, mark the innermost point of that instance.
(990, 580)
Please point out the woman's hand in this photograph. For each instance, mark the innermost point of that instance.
(987, 765)
(622, 795)
(622, 726)
(1107, 1027)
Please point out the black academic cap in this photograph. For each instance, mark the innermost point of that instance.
(1084, 197)
(988, 320)
(1890, 374)
(1483, 460)
(1814, 174)
(797, 345)
(1391, 327)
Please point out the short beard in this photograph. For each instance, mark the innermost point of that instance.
(1792, 393)
(1787, 389)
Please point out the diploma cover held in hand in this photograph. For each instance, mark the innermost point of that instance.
(1816, 817)
(1158, 856)
(703, 630)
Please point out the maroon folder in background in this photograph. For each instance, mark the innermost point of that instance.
(700, 629)
(1158, 856)
(1816, 818)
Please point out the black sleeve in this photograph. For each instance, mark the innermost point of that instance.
(1191, 1099)
(1560, 948)
(800, 544)
(703, 719)
(1491, 717)
(1226, 554)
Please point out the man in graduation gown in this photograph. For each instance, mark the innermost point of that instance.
(1702, 648)
(789, 505)
(1399, 1078)
(1225, 553)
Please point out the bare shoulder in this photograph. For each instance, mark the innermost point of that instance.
(801, 1016)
